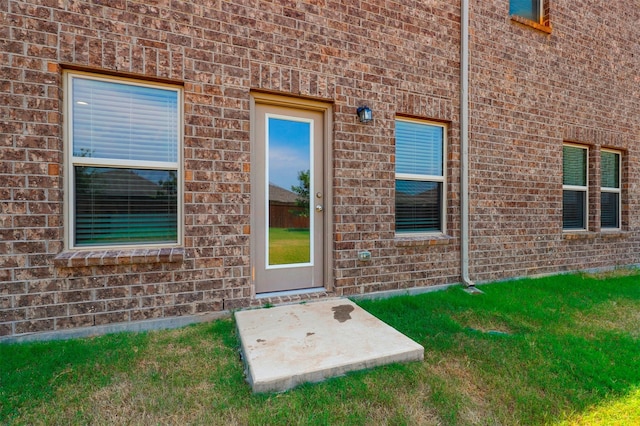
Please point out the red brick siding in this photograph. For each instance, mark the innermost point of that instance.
(347, 54)
(530, 92)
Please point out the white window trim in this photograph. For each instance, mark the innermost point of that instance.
(72, 161)
(541, 11)
(615, 190)
(428, 178)
(580, 188)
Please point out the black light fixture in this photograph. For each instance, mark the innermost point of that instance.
(365, 114)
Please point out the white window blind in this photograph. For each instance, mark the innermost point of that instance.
(124, 141)
(418, 149)
(419, 177)
(123, 121)
(610, 190)
(574, 180)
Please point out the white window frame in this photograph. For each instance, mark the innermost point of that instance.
(428, 178)
(541, 11)
(614, 190)
(72, 161)
(579, 188)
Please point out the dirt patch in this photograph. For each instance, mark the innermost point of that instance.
(412, 407)
(458, 373)
(615, 315)
(613, 273)
(487, 325)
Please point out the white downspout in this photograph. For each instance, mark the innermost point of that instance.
(464, 143)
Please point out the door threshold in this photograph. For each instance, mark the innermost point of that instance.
(291, 292)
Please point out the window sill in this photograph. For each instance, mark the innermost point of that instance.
(587, 235)
(77, 259)
(422, 240)
(532, 24)
(615, 233)
(579, 235)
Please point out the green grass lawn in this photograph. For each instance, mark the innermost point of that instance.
(288, 246)
(563, 350)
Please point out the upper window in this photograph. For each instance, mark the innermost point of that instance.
(574, 187)
(529, 9)
(420, 176)
(610, 189)
(123, 154)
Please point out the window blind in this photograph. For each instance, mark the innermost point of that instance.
(573, 210)
(419, 149)
(418, 206)
(125, 206)
(117, 121)
(419, 177)
(574, 166)
(123, 121)
(610, 180)
(610, 169)
(609, 210)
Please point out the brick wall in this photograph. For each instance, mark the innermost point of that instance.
(335, 51)
(530, 91)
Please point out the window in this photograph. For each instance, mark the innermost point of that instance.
(610, 189)
(123, 155)
(574, 186)
(529, 9)
(420, 177)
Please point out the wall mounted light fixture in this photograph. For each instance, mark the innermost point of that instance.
(365, 114)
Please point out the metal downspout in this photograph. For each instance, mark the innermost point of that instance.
(464, 143)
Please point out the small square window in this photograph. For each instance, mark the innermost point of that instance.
(123, 149)
(532, 10)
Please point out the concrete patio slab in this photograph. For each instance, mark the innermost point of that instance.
(289, 345)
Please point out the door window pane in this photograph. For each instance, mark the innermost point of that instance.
(289, 175)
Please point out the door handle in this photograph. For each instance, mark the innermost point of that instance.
(319, 207)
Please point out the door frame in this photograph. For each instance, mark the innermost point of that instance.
(326, 109)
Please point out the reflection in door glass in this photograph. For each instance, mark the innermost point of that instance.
(289, 173)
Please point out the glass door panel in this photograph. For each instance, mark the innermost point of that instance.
(289, 168)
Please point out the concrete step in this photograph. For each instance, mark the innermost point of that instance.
(288, 345)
